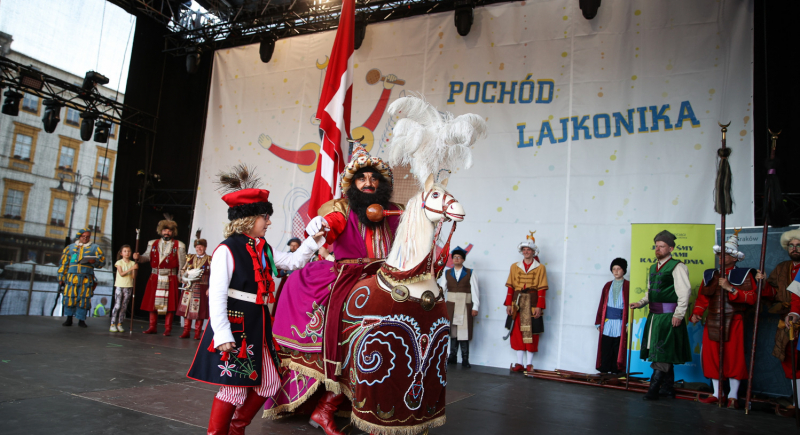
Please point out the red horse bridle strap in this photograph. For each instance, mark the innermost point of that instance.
(445, 203)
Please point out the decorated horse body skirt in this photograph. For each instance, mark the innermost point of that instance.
(394, 366)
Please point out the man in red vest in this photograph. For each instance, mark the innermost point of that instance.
(166, 256)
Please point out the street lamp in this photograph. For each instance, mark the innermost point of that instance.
(77, 182)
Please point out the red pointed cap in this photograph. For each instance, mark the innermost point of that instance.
(246, 196)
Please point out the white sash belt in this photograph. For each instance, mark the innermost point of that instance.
(242, 296)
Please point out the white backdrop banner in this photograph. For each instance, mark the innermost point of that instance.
(593, 125)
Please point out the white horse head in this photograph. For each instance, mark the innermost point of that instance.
(414, 238)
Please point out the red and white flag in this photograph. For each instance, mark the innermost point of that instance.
(334, 112)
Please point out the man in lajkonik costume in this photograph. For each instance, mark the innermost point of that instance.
(460, 286)
(167, 256)
(308, 315)
(665, 341)
(78, 262)
(739, 287)
(527, 287)
(777, 290)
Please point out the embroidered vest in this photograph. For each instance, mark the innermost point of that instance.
(171, 260)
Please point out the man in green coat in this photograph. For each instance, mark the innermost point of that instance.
(665, 341)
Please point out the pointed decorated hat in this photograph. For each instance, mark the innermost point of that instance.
(530, 242)
(360, 160)
(732, 246)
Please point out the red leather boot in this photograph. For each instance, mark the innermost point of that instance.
(219, 422)
(187, 326)
(153, 323)
(244, 414)
(198, 329)
(168, 323)
(322, 418)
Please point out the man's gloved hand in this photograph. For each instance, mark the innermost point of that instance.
(316, 225)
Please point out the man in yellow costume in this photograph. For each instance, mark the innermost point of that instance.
(527, 285)
(76, 274)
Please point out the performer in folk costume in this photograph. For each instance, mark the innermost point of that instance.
(785, 302)
(294, 243)
(460, 287)
(237, 350)
(167, 256)
(76, 274)
(527, 287)
(740, 291)
(666, 339)
(194, 300)
(307, 318)
(612, 321)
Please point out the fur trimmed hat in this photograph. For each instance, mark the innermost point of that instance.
(621, 262)
(242, 194)
(788, 236)
(198, 240)
(167, 223)
(360, 160)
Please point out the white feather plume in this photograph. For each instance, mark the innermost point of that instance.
(428, 140)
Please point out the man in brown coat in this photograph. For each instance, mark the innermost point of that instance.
(780, 278)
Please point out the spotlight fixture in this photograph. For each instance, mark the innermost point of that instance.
(31, 79)
(360, 32)
(266, 48)
(589, 8)
(11, 103)
(92, 79)
(52, 115)
(87, 126)
(101, 131)
(464, 16)
(192, 61)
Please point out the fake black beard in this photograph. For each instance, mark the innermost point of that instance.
(166, 238)
(359, 201)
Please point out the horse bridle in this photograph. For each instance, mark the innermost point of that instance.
(445, 204)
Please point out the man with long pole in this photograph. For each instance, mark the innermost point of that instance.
(723, 204)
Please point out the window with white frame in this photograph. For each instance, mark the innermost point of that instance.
(67, 159)
(22, 146)
(59, 214)
(30, 103)
(103, 164)
(73, 117)
(96, 218)
(14, 200)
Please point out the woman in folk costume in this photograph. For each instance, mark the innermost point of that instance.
(611, 321)
(527, 285)
(194, 300)
(237, 351)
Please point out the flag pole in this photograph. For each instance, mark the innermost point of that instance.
(771, 191)
(723, 204)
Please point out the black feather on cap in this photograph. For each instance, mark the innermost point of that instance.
(621, 263)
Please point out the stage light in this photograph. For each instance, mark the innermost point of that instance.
(11, 103)
(52, 115)
(360, 32)
(464, 17)
(87, 126)
(192, 61)
(31, 79)
(101, 131)
(589, 8)
(93, 78)
(266, 48)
